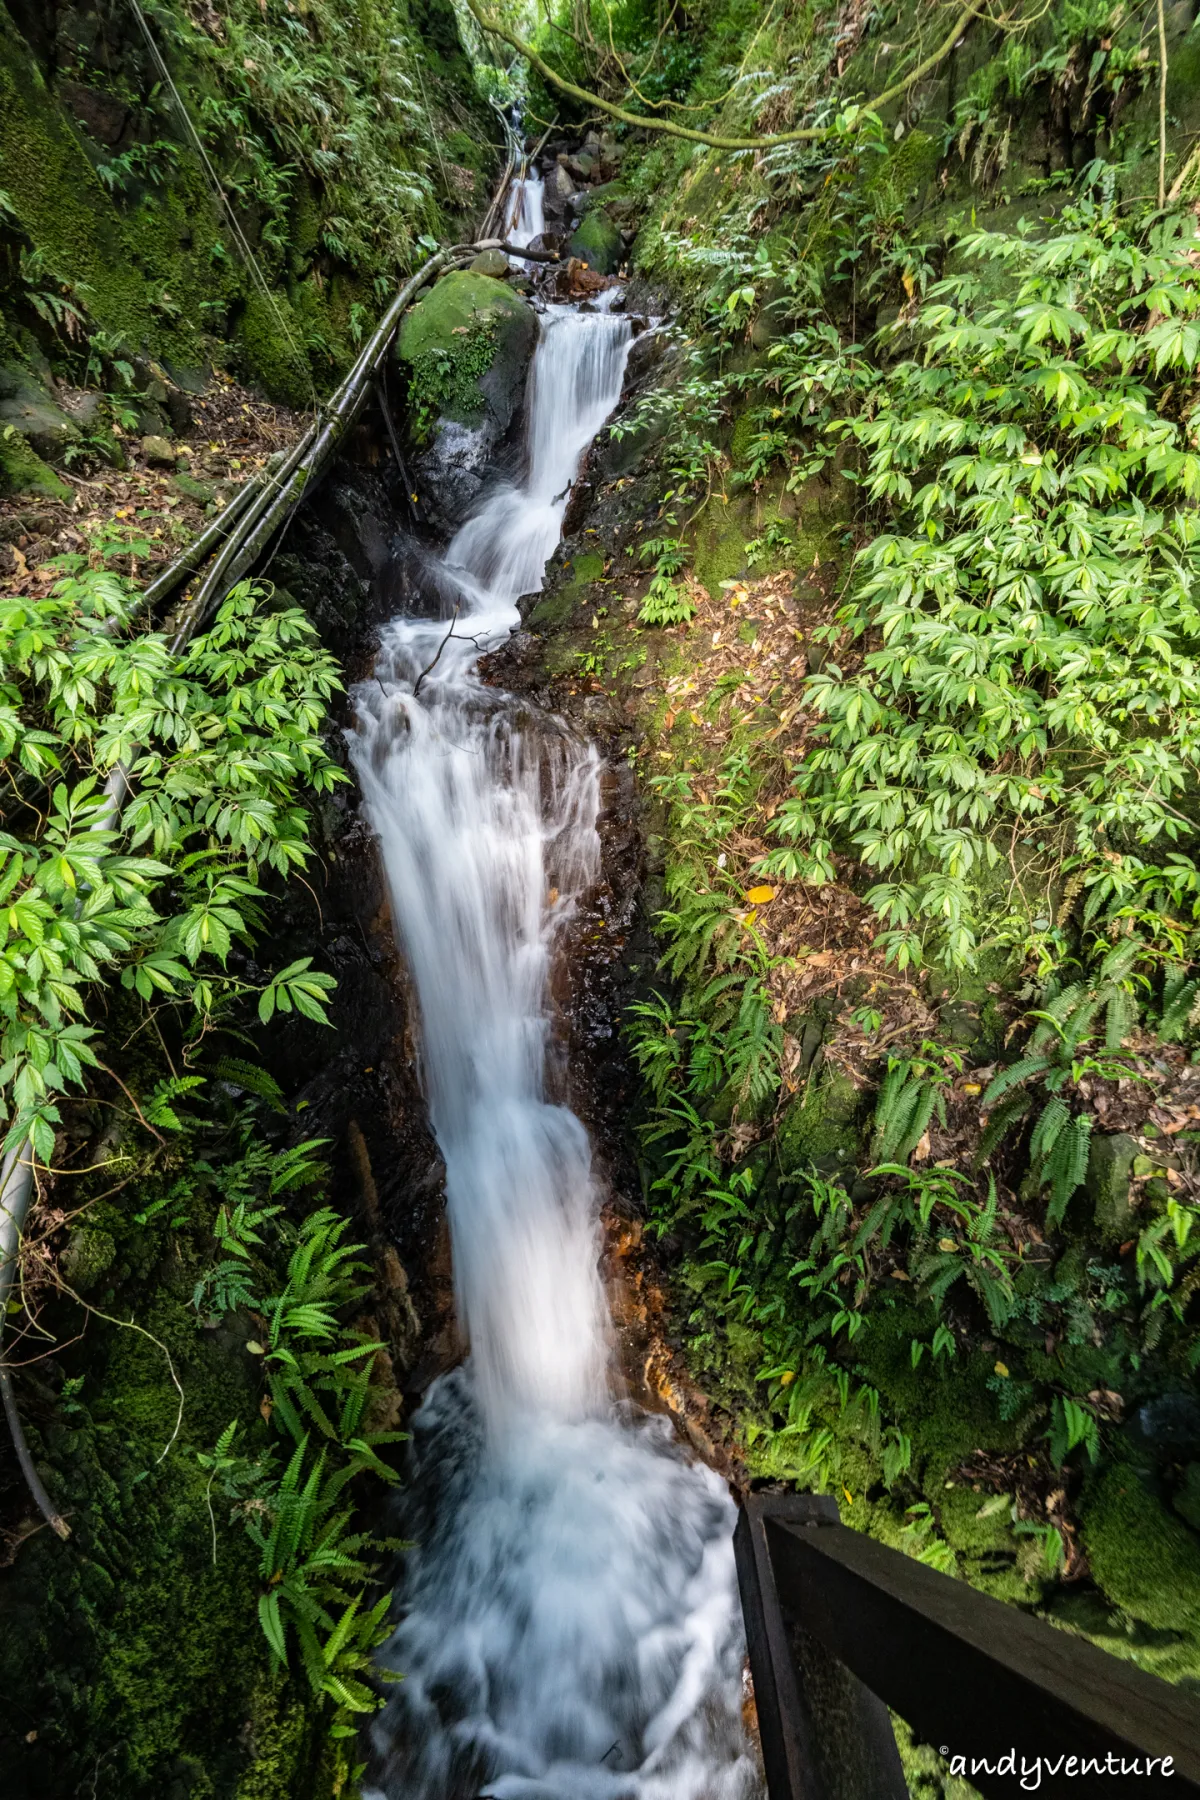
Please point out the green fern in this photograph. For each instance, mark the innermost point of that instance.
(903, 1111)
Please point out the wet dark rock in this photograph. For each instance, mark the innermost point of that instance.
(102, 115)
(1169, 1425)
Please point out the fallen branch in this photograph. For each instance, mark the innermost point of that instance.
(189, 560)
(644, 122)
(430, 667)
(275, 500)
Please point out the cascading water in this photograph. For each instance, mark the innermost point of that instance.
(569, 1621)
(526, 215)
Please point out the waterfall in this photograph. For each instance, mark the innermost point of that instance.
(568, 1619)
(526, 215)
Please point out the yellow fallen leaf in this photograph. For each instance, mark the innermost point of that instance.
(787, 1378)
(971, 1087)
(947, 1244)
(760, 896)
(1002, 1368)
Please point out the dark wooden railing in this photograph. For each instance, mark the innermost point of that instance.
(840, 1629)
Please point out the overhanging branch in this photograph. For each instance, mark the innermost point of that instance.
(643, 122)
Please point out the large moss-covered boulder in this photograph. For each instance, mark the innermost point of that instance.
(466, 348)
(597, 239)
(1144, 1557)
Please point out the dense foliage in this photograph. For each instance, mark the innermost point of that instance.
(143, 776)
(920, 1129)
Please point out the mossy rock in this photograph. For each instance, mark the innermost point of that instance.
(1110, 1166)
(555, 608)
(269, 340)
(467, 345)
(909, 166)
(598, 241)
(612, 198)
(819, 1126)
(205, 492)
(26, 406)
(22, 471)
(719, 545)
(90, 1253)
(1144, 1557)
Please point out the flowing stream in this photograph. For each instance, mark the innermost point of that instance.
(568, 1619)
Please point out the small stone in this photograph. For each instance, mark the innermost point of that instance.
(491, 262)
(561, 183)
(158, 450)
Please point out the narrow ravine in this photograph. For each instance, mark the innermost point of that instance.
(568, 1619)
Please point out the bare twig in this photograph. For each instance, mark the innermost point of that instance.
(137, 1109)
(1188, 168)
(429, 667)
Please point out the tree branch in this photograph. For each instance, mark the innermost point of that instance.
(807, 133)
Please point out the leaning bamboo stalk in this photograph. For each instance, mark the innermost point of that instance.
(201, 546)
(276, 499)
(16, 1186)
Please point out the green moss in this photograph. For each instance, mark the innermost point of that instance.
(598, 241)
(89, 1254)
(124, 264)
(719, 543)
(22, 471)
(270, 340)
(467, 328)
(745, 429)
(1144, 1557)
(556, 607)
(819, 1126)
(911, 164)
(138, 1652)
(191, 489)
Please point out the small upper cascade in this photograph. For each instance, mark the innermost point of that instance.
(526, 216)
